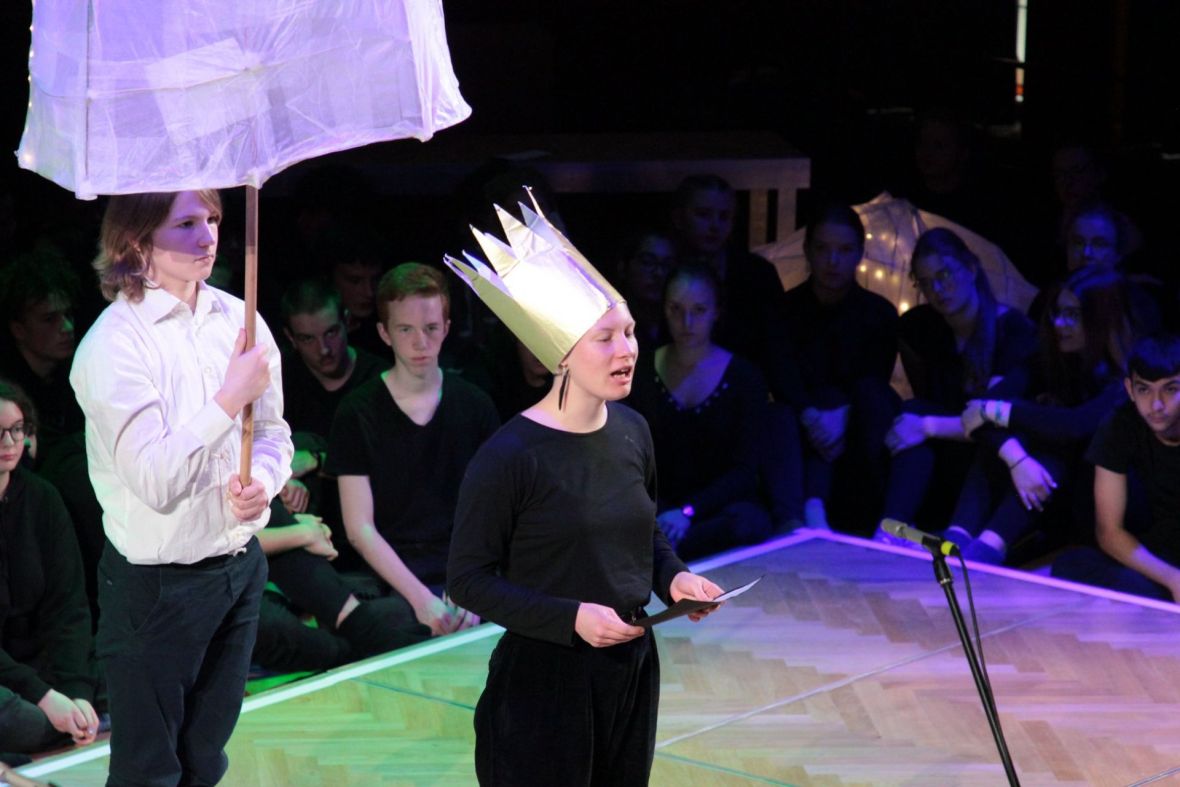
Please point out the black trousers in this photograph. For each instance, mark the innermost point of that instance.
(573, 716)
(175, 644)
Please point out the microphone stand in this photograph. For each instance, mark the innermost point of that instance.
(943, 574)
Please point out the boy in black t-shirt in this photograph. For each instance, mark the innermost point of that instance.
(1141, 437)
(399, 447)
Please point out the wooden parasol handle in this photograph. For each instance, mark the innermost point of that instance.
(251, 312)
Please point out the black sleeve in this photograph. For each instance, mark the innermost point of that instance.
(484, 518)
(741, 478)
(1016, 342)
(346, 443)
(879, 345)
(666, 564)
(1065, 424)
(1112, 445)
(65, 609)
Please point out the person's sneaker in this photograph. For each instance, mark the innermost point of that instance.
(815, 515)
(957, 536)
(983, 553)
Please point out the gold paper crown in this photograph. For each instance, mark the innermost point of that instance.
(543, 289)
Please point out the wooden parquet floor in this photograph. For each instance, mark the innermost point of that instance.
(841, 668)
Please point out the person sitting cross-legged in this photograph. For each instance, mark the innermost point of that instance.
(399, 446)
(1137, 450)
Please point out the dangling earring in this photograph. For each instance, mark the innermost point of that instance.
(565, 384)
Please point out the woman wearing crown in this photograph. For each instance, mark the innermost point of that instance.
(555, 532)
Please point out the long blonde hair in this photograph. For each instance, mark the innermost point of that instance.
(125, 242)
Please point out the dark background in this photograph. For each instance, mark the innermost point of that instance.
(841, 80)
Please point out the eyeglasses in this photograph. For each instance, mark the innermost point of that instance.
(16, 432)
(1070, 314)
(943, 279)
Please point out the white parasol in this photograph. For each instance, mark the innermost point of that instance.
(892, 227)
(130, 96)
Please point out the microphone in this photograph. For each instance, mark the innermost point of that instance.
(919, 537)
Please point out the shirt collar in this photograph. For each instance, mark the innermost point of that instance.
(158, 303)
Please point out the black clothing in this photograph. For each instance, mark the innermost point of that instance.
(414, 471)
(936, 373)
(548, 519)
(1054, 433)
(308, 407)
(58, 413)
(61, 457)
(708, 454)
(607, 741)
(751, 325)
(835, 345)
(934, 365)
(175, 645)
(844, 354)
(1125, 444)
(45, 637)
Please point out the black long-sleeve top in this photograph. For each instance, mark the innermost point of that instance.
(548, 519)
(1045, 423)
(708, 454)
(832, 346)
(934, 365)
(44, 615)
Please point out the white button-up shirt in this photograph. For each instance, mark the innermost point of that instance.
(160, 451)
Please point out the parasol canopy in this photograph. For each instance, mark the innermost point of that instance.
(892, 227)
(130, 96)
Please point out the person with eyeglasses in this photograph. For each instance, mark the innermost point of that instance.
(1033, 426)
(953, 348)
(47, 678)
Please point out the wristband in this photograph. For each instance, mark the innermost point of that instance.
(1018, 461)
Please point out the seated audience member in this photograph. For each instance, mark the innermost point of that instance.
(38, 293)
(352, 259)
(400, 444)
(1138, 442)
(644, 263)
(843, 340)
(519, 380)
(953, 349)
(318, 371)
(298, 549)
(704, 208)
(1035, 424)
(1095, 237)
(47, 677)
(707, 412)
(703, 212)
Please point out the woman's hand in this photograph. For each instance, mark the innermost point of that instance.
(602, 627)
(972, 417)
(693, 586)
(675, 525)
(825, 429)
(1033, 482)
(908, 430)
